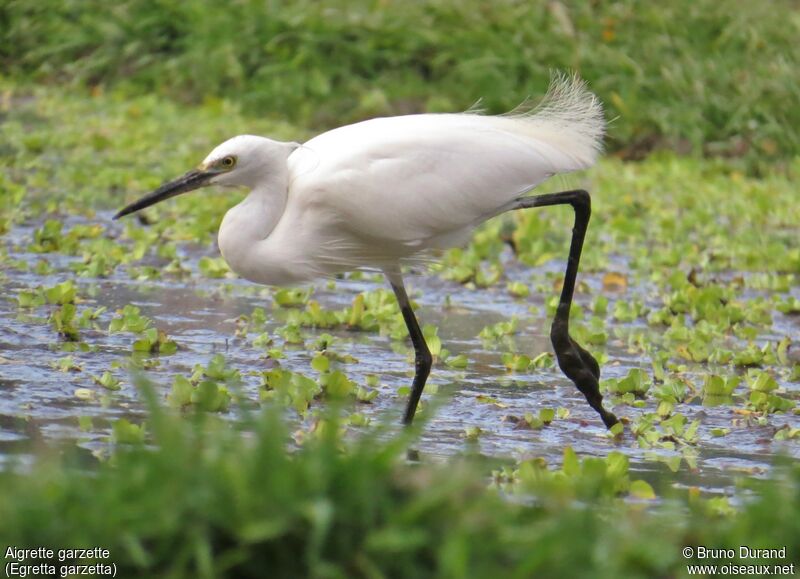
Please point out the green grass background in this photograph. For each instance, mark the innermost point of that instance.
(706, 76)
(100, 97)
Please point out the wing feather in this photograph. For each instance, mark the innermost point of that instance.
(406, 182)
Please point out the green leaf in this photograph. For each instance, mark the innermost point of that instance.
(320, 363)
(337, 384)
(518, 289)
(181, 393)
(642, 490)
(108, 381)
(461, 361)
(125, 432)
(211, 397)
(291, 297)
(571, 465)
(617, 430)
(762, 382)
(718, 386)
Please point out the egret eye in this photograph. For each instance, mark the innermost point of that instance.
(228, 162)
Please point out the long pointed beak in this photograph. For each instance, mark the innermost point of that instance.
(189, 182)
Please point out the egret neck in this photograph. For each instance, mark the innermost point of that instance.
(246, 227)
(378, 192)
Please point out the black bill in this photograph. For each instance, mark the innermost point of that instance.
(188, 182)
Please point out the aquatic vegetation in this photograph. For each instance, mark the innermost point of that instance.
(130, 320)
(207, 389)
(634, 385)
(214, 267)
(150, 340)
(499, 330)
(700, 324)
(291, 389)
(325, 505)
(107, 380)
(545, 417)
(720, 386)
(277, 446)
(126, 432)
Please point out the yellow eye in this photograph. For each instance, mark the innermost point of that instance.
(228, 162)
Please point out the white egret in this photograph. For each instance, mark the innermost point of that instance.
(378, 193)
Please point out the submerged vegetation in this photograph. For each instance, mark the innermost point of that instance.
(267, 435)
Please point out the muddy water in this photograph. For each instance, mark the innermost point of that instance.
(38, 401)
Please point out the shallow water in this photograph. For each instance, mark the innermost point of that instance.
(38, 402)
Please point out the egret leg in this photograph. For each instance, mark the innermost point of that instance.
(575, 362)
(422, 355)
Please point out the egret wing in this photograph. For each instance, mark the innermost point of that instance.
(415, 178)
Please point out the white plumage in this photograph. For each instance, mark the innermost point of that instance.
(383, 190)
(377, 193)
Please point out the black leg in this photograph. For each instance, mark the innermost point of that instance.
(423, 359)
(575, 362)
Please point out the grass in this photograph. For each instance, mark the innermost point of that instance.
(99, 104)
(702, 76)
(201, 500)
(719, 305)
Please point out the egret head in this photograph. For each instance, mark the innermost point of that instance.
(241, 161)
